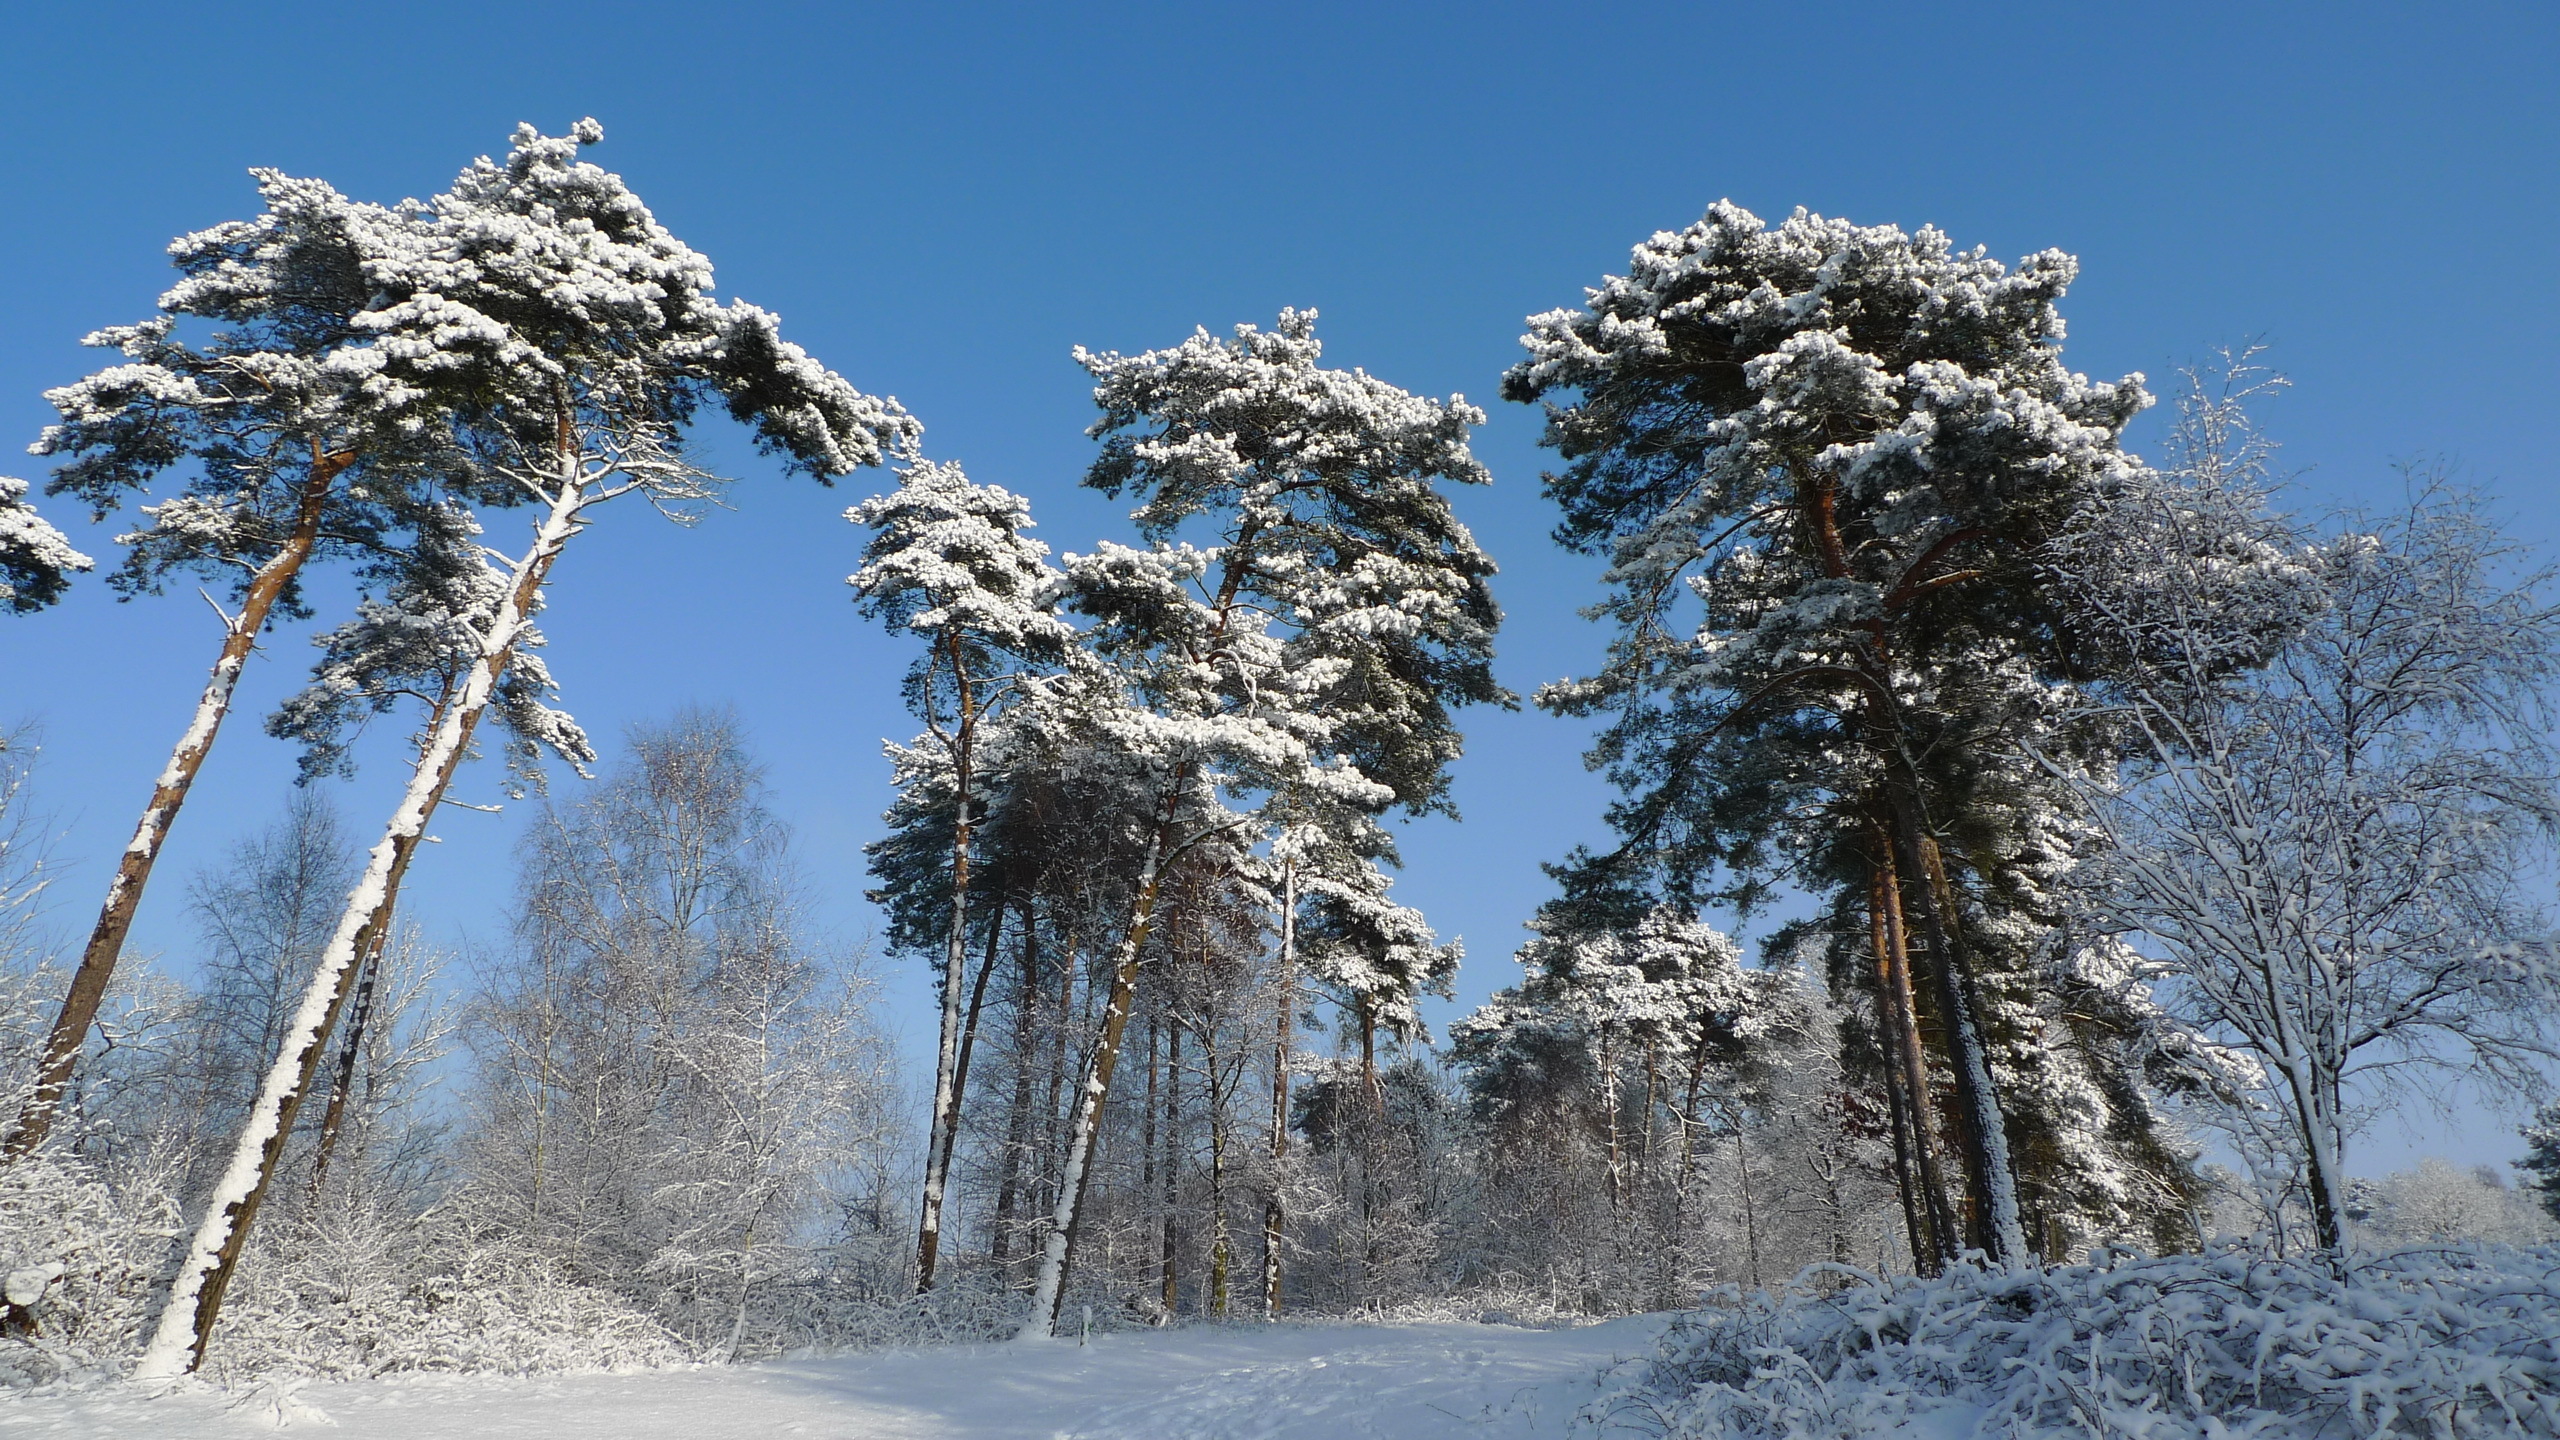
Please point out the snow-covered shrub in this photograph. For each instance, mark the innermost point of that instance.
(375, 1293)
(81, 1260)
(2447, 1342)
(963, 1309)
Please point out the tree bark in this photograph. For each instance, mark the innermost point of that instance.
(1221, 1251)
(70, 1032)
(1017, 1125)
(1169, 1179)
(1990, 1182)
(1910, 1069)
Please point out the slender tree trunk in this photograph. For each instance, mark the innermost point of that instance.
(1221, 1252)
(1017, 1125)
(1750, 1206)
(1910, 1061)
(1147, 1115)
(1991, 1181)
(946, 1064)
(1054, 1136)
(1688, 1151)
(195, 1294)
(1274, 1216)
(350, 1055)
(1906, 1179)
(98, 958)
(1369, 1085)
(1048, 1290)
(968, 1049)
(1609, 1105)
(1169, 1180)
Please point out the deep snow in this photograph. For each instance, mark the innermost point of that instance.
(1282, 1382)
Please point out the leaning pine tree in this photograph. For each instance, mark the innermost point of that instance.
(1820, 459)
(948, 561)
(417, 641)
(299, 448)
(1317, 649)
(588, 337)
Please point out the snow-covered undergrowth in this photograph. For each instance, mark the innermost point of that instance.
(2452, 1342)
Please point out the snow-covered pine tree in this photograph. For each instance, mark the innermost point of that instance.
(948, 562)
(1349, 610)
(36, 560)
(1374, 957)
(589, 337)
(1842, 445)
(1633, 1035)
(298, 446)
(1191, 701)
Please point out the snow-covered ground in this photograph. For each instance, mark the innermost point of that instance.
(1286, 1382)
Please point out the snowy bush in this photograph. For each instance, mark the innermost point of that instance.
(373, 1296)
(2448, 1342)
(361, 1292)
(961, 1310)
(81, 1261)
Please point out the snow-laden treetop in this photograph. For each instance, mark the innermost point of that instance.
(36, 560)
(431, 350)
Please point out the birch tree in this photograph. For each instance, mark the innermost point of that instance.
(2324, 851)
(589, 337)
(949, 562)
(667, 1076)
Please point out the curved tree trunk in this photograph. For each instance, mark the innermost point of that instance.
(98, 958)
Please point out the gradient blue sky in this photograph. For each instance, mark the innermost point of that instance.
(941, 200)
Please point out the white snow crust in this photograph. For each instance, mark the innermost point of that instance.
(1280, 1382)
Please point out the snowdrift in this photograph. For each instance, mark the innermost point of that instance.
(2451, 1342)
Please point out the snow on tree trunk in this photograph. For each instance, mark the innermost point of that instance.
(1990, 1179)
(1048, 1287)
(195, 1294)
(1274, 1213)
(946, 1062)
(350, 1051)
(133, 871)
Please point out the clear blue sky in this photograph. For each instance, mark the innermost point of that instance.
(942, 199)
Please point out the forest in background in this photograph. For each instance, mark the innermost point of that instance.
(2127, 812)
